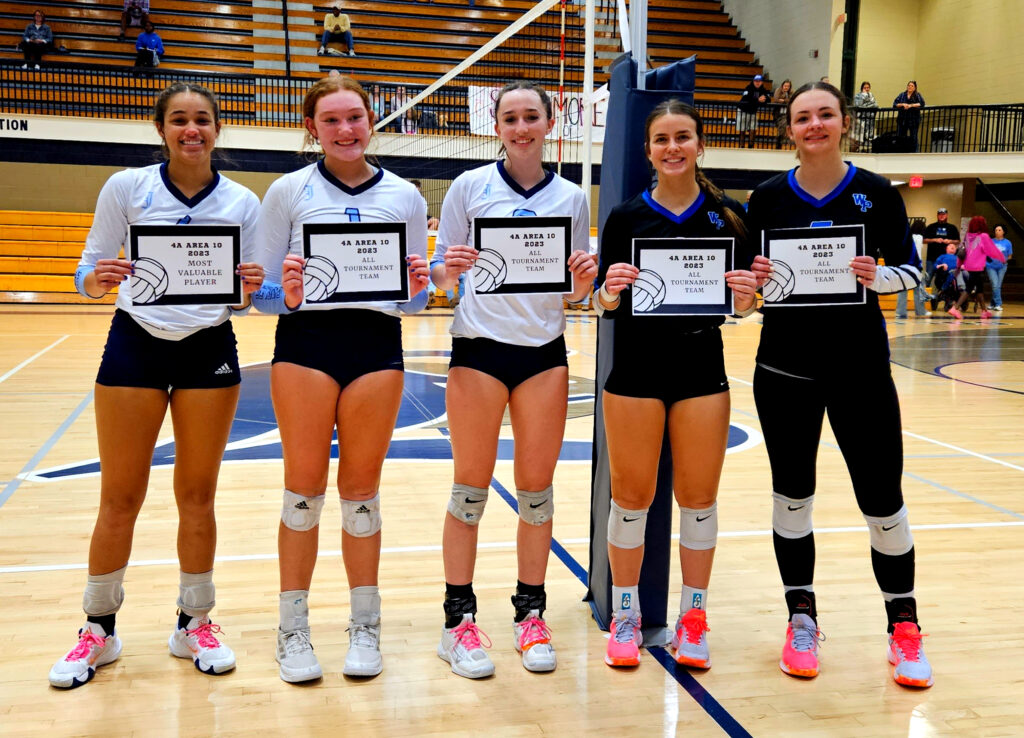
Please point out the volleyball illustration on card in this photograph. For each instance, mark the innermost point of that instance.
(320, 278)
(648, 291)
(149, 281)
(490, 271)
(781, 284)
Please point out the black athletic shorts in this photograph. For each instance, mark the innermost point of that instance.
(509, 363)
(133, 357)
(687, 365)
(975, 282)
(342, 343)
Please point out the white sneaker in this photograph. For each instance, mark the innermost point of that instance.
(24, 66)
(296, 657)
(460, 646)
(321, 51)
(79, 665)
(351, 52)
(363, 657)
(997, 308)
(199, 643)
(533, 640)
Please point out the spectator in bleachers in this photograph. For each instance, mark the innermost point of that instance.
(432, 222)
(864, 129)
(754, 96)
(909, 103)
(781, 99)
(996, 270)
(135, 14)
(406, 122)
(148, 48)
(36, 41)
(337, 27)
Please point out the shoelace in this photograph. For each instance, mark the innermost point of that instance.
(908, 642)
(363, 636)
(806, 637)
(625, 628)
(297, 642)
(204, 634)
(695, 626)
(468, 636)
(86, 640)
(534, 630)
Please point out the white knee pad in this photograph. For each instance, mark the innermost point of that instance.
(301, 513)
(467, 503)
(792, 518)
(361, 518)
(103, 593)
(196, 594)
(698, 529)
(536, 508)
(891, 535)
(626, 528)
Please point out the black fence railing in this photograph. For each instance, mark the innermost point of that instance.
(121, 93)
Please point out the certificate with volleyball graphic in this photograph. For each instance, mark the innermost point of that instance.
(185, 264)
(527, 255)
(812, 266)
(682, 276)
(355, 262)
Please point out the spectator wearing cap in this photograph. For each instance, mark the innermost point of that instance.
(337, 27)
(754, 96)
(936, 237)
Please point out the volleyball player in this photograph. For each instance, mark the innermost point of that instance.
(835, 359)
(335, 364)
(667, 368)
(507, 351)
(183, 357)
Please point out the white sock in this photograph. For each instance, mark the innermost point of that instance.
(693, 598)
(294, 609)
(626, 599)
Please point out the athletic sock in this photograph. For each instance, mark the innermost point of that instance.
(529, 597)
(691, 598)
(104, 621)
(459, 600)
(626, 598)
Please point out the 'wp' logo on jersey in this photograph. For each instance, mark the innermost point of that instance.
(862, 202)
(716, 220)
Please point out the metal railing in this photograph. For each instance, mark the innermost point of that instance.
(254, 100)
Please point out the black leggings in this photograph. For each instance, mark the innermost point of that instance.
(864, 413)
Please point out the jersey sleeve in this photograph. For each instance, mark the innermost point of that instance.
(893, 242)
(109, 228)
(454, 227)
(416, 243)
(581, 225)
(273, 238)
(755, 221)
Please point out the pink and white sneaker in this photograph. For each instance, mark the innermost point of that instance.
(198, 641)
(625, 639)
(800, 653)
(690, 640)
(906, 654)
(94, 649)
(462, 648)
(533, 641)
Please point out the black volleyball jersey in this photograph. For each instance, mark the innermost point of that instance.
(646, 338)
(813, 341)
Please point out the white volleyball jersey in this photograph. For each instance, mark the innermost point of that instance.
(147, 196)
(489, 191)
(314, 195)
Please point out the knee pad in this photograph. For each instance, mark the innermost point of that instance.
(467, 503)
(891, 535)
(792, 518)
(536, 508)
(361, 518)
(301, 513)
(626, 528)
(104, 593)
(196, 594)
(698, 529)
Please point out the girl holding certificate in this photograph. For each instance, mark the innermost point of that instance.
(182, 356)
(834, 357)
(336, 363)
(507, 351)
(666, 368)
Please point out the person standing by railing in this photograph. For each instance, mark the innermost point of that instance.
(867, 109)
(781, 100)
(754, 96)
(909, 103)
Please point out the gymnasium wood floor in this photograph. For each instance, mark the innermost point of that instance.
(962, 393)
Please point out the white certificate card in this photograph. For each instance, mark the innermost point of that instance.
(812, 266)
(526, 255)
(682, 276)
(355, 262)
(185, 264)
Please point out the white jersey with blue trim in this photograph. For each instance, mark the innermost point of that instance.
(489, 192)
(147, 196)
(314, 195)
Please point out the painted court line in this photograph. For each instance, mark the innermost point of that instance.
(965, 451)
(32, 358)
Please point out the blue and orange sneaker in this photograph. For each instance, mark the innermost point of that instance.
(906, 654)
(690, 640)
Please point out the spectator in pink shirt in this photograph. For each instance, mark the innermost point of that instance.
(977, 245)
